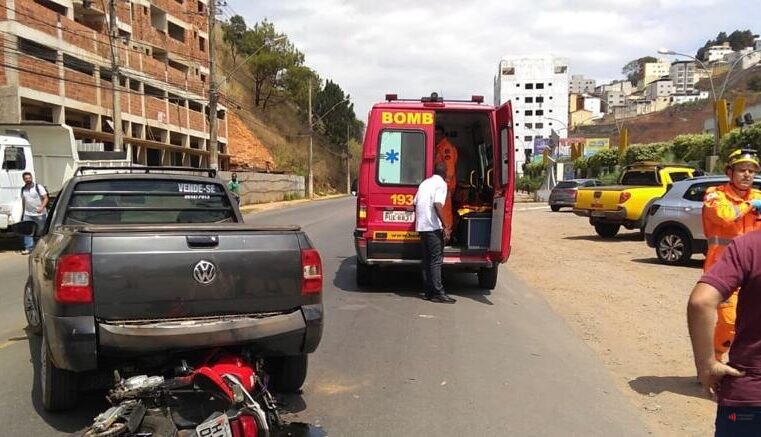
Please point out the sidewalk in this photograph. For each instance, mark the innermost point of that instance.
(259, 207)
(522, 197)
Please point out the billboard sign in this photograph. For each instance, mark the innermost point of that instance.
(594, 145)
(540, 144)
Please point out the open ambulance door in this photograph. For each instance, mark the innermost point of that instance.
(503, 178)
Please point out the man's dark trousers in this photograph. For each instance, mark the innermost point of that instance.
(433, 256)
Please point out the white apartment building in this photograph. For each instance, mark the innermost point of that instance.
(682, 73)
(717, 53)
(538, 88)
(654, 71)
(581, 85)
(659, 88)
(677, 99)
(748, 57)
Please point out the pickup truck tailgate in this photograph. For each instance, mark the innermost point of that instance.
(601, 198)
(169, 275)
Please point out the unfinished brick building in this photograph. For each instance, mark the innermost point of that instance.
(55, 66)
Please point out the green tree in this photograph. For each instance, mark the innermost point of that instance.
(749, 137)
(335, 113)
(645, 152)
(233, 33)
(275, 54)
(738, 40)
(296, 81)
(605, 158)
(635, 70)
(693, 148)
(754, 83)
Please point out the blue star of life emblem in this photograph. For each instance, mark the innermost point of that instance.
(392, 156)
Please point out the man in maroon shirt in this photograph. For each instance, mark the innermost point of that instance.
(736, 386)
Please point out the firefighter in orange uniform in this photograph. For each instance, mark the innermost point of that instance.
(446, 152)
(729, 211)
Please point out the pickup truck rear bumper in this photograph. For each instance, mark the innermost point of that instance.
(618, 216)
(290, 333)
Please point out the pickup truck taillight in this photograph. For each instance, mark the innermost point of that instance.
(624, 197)
(73, 278)
(311, 265)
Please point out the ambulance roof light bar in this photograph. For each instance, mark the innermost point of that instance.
(391, 97)
(477, 99)
(433, 98)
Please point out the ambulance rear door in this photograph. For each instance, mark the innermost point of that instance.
(503, 178)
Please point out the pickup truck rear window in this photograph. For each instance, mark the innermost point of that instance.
(116, 201)
(645, 177)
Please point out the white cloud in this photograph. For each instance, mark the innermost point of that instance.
(453, 47)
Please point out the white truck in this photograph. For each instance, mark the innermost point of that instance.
(48, 151)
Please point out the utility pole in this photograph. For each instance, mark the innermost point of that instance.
(310, 176)
(113, 38)
(213, 92)
(348, 162)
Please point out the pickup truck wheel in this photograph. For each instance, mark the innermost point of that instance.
(364, 275)
(31, 310)
(288, 373)
(58, 387)
(554, 208)
(487, 277)
(607, 230)
(673, 247)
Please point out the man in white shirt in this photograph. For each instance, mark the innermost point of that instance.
(35, 200)
(429, 216)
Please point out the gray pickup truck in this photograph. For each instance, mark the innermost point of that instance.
(137, 266)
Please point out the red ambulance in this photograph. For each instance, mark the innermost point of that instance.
(399, 153)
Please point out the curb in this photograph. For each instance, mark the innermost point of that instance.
(259, 207)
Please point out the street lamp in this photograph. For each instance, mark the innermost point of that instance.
(713, 95)
(310, 172)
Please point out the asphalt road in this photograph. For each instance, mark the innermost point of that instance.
(495, 363)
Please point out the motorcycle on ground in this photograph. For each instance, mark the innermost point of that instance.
(224, 395)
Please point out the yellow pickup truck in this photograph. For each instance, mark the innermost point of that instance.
(626, 204)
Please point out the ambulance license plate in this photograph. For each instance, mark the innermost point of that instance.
(398, 216)
(216, 427)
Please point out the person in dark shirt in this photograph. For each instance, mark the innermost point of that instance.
(736, 386)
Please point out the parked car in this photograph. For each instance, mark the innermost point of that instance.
(626, 204)
(675, 224)
(564, 193)
(134, 268)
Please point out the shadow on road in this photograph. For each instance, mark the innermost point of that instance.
(408, 283)
(620, 238)
(90, 403)
(11, 243)
(682, 385)
(691, 264)
(291, 403)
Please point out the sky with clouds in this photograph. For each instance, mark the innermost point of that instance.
(372, 47)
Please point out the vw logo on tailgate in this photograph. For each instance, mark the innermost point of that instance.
(204, 272)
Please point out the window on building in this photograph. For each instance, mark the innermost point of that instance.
(528, 138)
(539, 125)
(78, 65)
(202, 43)
(38, 51)
(105, 75)
(201, 7)
(55, 7)
(153, 91)
(401, 157)
(550, 97)
(529, 100)
(540, 86)
(176, 32)
(195, 106)
(134, 85)
(517, 85)
(529, 112)
(540, 112)
(529, 125)
(529, 86)
(540, 99)
(517, 111)
(508, 71)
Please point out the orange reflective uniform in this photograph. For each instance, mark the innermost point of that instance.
(446, 152)
(726, 215)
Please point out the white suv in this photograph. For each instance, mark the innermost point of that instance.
(674, 224)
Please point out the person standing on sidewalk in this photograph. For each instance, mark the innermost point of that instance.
(234, 187)
(736, 386)
(429, 202)
(729, 211)
(34, 199)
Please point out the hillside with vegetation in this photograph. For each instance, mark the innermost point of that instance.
(266, 86)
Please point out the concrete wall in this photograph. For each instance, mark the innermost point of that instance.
(266, 187)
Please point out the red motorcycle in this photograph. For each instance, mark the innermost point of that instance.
(225, 395)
